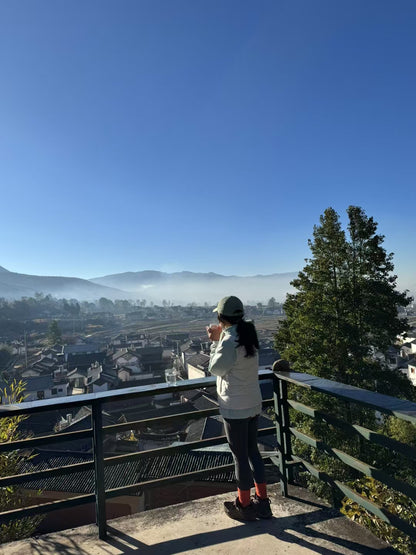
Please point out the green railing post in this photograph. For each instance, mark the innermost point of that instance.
(282, 426)
(100, 509)
(287, 436)
(279, 434)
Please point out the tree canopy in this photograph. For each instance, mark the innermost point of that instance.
(346, 306)
(345, 310)
(54, 333)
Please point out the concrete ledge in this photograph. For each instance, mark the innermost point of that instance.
(301, 525)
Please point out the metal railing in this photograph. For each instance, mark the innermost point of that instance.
(283, 458)
(404, 410)
(96, 433)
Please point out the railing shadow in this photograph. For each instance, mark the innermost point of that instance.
(295, 529)
(291, 529)
(46, 545)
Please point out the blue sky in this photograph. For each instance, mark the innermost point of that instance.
(201, 135)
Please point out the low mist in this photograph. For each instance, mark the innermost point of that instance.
(251, 290)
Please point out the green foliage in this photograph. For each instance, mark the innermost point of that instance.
(5, 355)
(106, 305)
(402, 431)
(12, 497)
(345, 307)
(396, 503)
(54, 333)
(402, 467)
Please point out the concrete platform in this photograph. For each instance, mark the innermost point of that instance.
(301, 525)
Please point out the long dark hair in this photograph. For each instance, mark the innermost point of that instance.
(246, 332)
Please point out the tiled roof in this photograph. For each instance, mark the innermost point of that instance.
(150, 350)
(101, 381)
(82, 348)
(38, 383)
(109, 377)
(124, 474)
(53, 352)
(43, 368)
(195, 430)
(134, 412)
(205, 428)
(191, 395)
(41, 423)
(203, 402)
(85, 359)
(214, 427)
(78, 372)
(125, 353)
(45, 361)
(82, 419)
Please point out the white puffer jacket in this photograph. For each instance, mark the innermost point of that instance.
(237, 376)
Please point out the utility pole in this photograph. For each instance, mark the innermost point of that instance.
(25, 351)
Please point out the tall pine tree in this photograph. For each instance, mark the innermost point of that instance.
(346, 307)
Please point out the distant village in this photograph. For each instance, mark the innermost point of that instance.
(91, 365)
(106, 360)
(128, 351)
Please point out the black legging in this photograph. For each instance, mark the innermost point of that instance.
(242, 439)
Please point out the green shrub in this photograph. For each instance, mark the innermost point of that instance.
(394, 502)
(11, 497)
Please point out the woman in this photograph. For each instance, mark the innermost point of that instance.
(234, 360)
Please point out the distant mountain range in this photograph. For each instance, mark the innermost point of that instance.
(185, 287)
(15, 286)
(177, 287)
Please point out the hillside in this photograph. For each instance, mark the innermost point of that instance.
(187, 287)
(14, 286)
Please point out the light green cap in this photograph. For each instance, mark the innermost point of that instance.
(230, 306)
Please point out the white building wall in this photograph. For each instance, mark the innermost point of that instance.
(411, 373)
(194, 372)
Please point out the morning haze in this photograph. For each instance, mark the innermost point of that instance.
(176, 288)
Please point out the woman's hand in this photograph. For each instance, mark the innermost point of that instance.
(214, 332)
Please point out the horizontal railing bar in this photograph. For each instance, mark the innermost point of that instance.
(364, 468)
(34, 441)
(381, 513)
(31, 442)
(159, 482)
(85, 434)
(188, 446)
(23, 512)
(44, 474)
(405, 410)
(161, 419)
(29, 407)
(313, 442)
(161, 451)
(119, 459)
(369, 435)
(103, 396)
